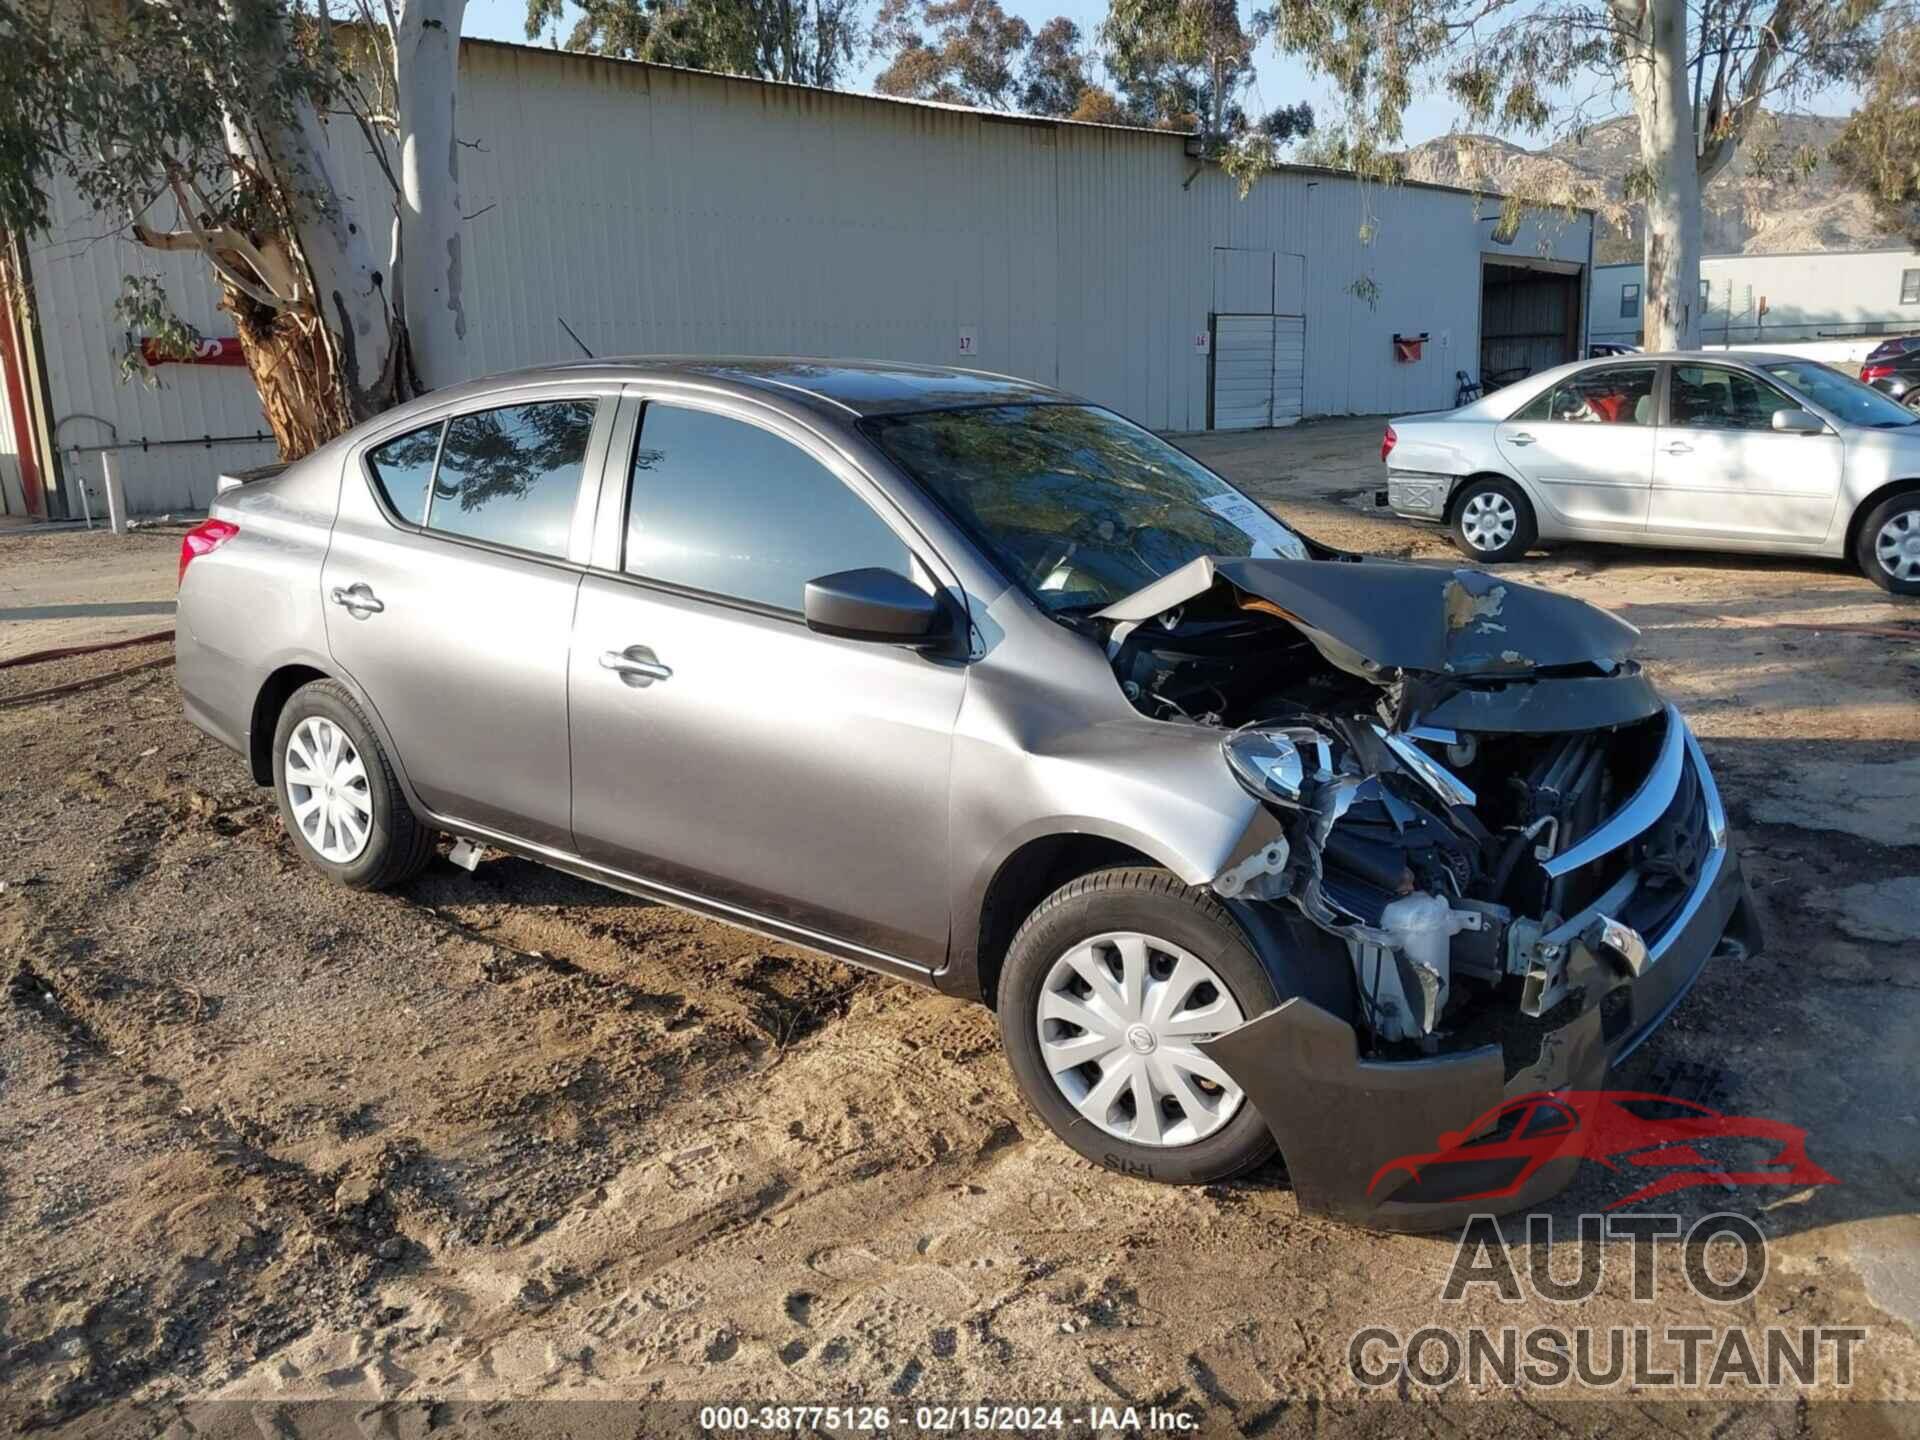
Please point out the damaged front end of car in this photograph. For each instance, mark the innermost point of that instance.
(1475, 791)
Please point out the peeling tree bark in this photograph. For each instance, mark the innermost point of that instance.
(426, 42)
(1663, 101)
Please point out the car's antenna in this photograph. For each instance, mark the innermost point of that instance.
(575, 338)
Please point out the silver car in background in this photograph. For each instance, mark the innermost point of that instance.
(1708, 451)
(1251, 844)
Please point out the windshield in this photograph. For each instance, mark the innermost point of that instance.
(1076, 505)
(1853, 402)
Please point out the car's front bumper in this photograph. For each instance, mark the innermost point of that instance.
(1339, 1119)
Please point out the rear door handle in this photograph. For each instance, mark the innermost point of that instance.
(1522, 438)
(1679, 447)
(359, 600)
(636, 666)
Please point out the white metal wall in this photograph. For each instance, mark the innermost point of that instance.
(13, 495)
(666, 211)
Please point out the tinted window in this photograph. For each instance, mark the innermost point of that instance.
(1617, 395)
(1706, 397)
(1077, 505)
(728, 508)
(1629, 301)
(510, 476)
(403, 466)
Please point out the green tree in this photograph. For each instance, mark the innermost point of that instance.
(972, 52)
(196, 125)
(1188, 65)
(1695, 73)
(1879, 150)
(809, 42)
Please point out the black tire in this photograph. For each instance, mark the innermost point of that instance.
(1525, 530)
(398, 845)
(1865, 553)
(1151, 902)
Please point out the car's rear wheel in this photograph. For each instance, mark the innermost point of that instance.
(1492, 520)
(339, 798)
(1106, 990)
(1888, 549)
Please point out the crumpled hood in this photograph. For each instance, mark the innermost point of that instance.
(1458, 649)
(1465, 623)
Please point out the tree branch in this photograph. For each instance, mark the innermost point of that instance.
(1723, 139)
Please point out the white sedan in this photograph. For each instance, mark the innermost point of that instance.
(1708, 452)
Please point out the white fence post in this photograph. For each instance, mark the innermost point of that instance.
(116, 494)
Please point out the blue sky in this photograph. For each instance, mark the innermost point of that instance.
(1281, 82)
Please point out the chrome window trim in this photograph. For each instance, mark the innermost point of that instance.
(1647, 804)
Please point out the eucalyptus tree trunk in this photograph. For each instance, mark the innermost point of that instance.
(1670, 172)
(426, 46)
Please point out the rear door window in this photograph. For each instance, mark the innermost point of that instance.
(510, 476)
(1617, 395)
(403, 468)
(722, 506)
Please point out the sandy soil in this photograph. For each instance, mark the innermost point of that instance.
(504, 1135)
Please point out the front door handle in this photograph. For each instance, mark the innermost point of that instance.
(1679, 447)
(358, 600)
(1522, 438)
(636, 666)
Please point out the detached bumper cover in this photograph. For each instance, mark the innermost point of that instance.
(1338, 1119)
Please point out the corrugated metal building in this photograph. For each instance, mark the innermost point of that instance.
(1754, 299)
(671, 211)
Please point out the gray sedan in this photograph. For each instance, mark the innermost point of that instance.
(1251, 844)
(1715, 451)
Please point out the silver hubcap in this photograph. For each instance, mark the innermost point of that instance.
(1898, 546)
(1488, 520)
(327, 786)
(1119, 1018)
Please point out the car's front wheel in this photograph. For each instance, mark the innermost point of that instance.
(1888, 549)
(339, 798)
(1106, 990)
(1492, 520)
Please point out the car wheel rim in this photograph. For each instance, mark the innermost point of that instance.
(327, 790)
(1120, 1018)
(1489, 521)
(1898, 545)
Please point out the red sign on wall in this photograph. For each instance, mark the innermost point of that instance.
(207, 351)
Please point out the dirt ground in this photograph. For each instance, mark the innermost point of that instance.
(505, 1136)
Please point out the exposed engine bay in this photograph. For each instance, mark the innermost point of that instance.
(1446, 805)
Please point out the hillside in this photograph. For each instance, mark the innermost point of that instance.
(1752, 207)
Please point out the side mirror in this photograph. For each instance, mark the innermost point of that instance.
(877, 605)
(1798, 422)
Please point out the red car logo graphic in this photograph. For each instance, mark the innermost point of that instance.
(1627, 1131)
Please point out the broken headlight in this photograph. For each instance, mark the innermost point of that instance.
(1279, 762)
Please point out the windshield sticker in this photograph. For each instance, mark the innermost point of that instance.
(1271, 539)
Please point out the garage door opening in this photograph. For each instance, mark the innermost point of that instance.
(1529, 318)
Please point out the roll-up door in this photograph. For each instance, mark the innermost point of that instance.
(1243, 356)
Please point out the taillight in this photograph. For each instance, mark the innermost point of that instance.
(1387, 442)
(1875, 372)
(204, 539)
